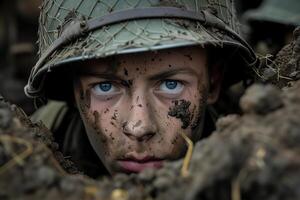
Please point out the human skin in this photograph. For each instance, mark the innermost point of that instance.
(125, 104)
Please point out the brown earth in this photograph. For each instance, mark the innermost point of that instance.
(285, 69)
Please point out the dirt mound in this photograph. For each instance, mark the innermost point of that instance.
(253, 156)
(286, 66)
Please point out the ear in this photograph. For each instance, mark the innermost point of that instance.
(215, 83)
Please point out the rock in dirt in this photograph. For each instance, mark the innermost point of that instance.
(261, 99)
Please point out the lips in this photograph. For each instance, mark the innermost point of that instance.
(135, 165)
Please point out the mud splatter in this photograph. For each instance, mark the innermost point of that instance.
(127, 83)
(198, 115)
(96, 118)
(111, 137)
(174, 141)
(115, 115)
(106, 111)
(180, 110)
(87, 98)
(125, 72)
(189, 56)
(113, 124)
(83, 102)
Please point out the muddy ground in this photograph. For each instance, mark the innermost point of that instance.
(250, 156)
(284, 69)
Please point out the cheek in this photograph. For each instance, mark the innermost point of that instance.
(101, 126)
(174, 143)
(183, 116)
(168, 141)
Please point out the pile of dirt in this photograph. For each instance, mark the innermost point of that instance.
(285, 69)
(253, 156)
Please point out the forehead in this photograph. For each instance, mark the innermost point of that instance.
(151, 62)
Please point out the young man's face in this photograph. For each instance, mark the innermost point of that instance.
(135, 106)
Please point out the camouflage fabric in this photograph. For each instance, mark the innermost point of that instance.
(67, 21)
(277, 11)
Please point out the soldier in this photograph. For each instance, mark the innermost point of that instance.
(272, 25)
(135, 74)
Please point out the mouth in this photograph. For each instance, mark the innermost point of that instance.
(136, 165)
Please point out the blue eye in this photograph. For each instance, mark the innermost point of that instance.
(171, 87)
(104, 88)
(170, 84)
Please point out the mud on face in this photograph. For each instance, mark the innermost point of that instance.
(181, 111)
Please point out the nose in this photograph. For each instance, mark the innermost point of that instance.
(139, 126)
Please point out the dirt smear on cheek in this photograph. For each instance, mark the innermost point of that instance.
(181, 111)
(85, 104)
(87, 99)
(96, 119)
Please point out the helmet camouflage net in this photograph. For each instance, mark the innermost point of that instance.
(76, 30)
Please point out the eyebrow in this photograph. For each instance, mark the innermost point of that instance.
(158, 76)
(172, 72)
(108, 76)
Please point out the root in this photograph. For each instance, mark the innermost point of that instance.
(91, 192)
(119, 194)
(188, 156)
(54, 162)
(18, 159)
(269, 63)
(235, 189)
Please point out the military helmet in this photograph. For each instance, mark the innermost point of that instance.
(76, 30)
(277, 11)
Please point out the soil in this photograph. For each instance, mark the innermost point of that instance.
(181, 111)
(285, 69)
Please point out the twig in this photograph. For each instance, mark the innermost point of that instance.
(91, 192)
(235, 189)
(19, 158)
(188, 156)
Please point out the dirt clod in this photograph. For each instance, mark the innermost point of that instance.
(181, 111)
(286, 66)
(261, 99)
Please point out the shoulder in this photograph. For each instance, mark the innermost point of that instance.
(52, 114)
